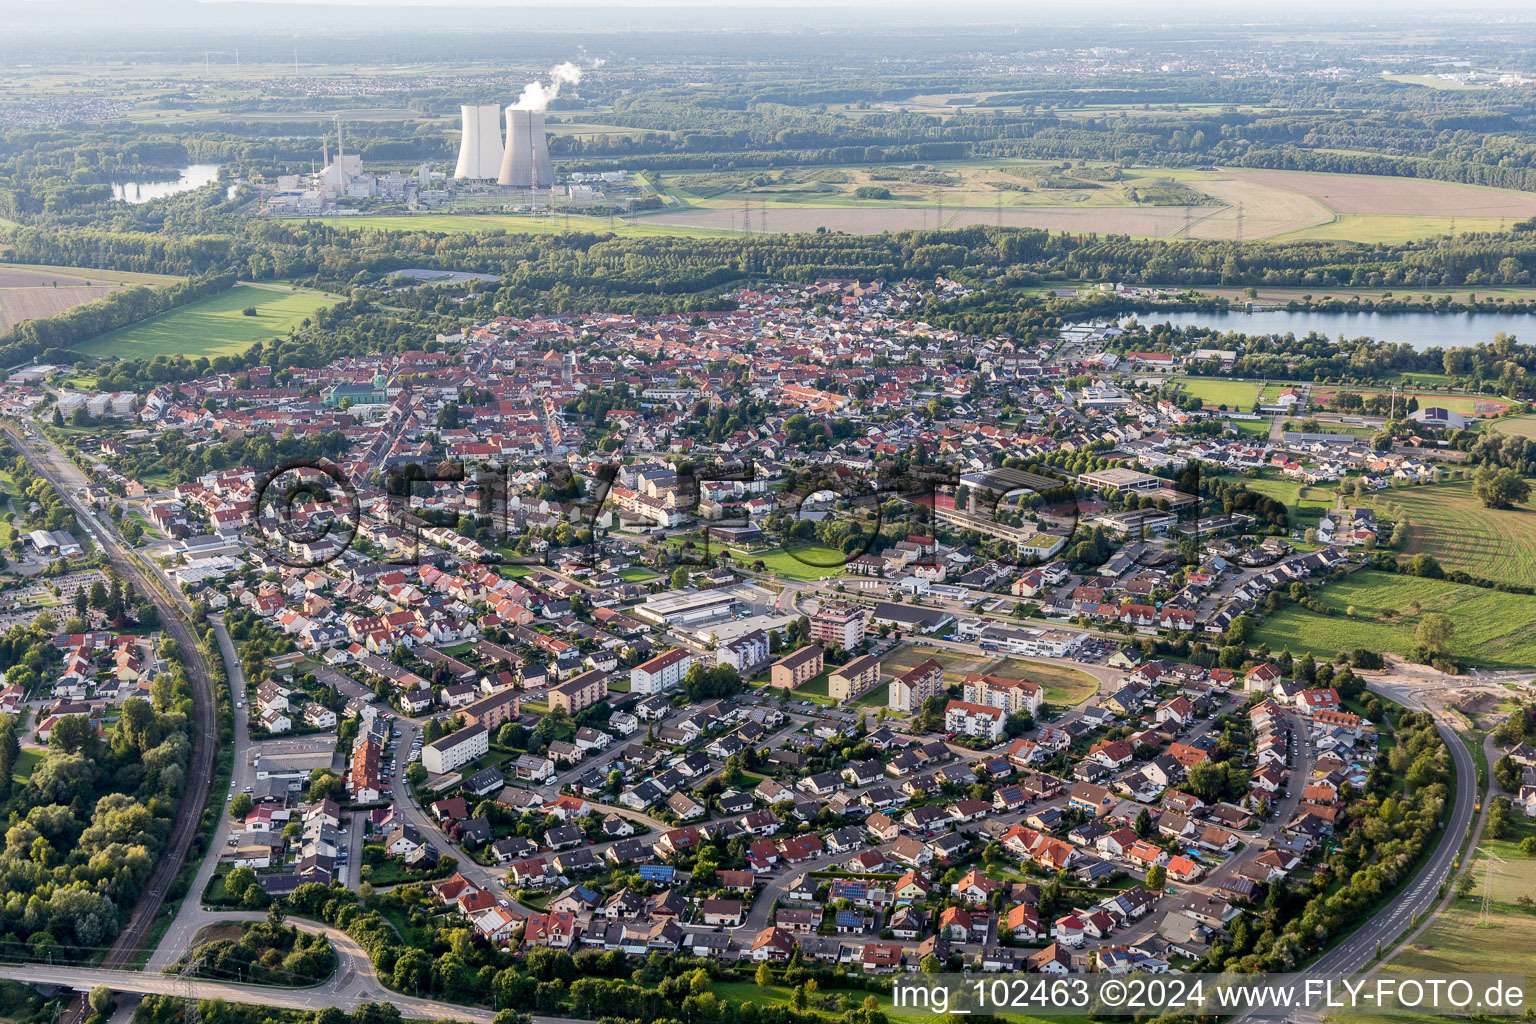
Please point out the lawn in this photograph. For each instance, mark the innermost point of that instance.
(879, 697)
(635, 574)
(1448, 522)
(214, 326)
(1519, 426)
(814, 689)
(823, 561)
(26, 760)
(1062, 685)
(1489, 628)
(1214, 391)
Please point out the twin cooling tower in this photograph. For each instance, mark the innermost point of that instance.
(523, 163)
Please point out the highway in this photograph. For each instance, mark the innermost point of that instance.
(68, 480)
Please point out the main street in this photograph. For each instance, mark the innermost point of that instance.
(68, 480)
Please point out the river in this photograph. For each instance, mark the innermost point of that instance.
(193, 176)
(1421, 330)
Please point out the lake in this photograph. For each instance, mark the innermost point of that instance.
(193, 176)
(1421, 330)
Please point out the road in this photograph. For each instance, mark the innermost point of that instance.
(68, 480)
(343, 992)
(1356, 952)
(190, 916)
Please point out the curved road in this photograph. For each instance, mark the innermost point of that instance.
(67, 479)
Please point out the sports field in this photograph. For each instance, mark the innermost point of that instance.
(1466, 405)
(215, 326)
(1447, 521)
(1238, 395)
(1491, 629)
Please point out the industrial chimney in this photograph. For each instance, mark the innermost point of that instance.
(479, 143)
(525, 164)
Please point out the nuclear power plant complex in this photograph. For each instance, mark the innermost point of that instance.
(524, 160)
(479, 143)
(503, 167)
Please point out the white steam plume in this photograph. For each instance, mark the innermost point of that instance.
(536, 95)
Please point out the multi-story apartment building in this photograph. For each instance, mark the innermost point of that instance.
(917, 684)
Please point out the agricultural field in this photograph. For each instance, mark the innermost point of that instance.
(1063, 686)
(214, 326)
(31, 292)
(1448, 522)
(1144, 202)
(1490, 628)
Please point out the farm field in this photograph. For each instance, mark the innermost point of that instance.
(1144, 202)
(31, 292)
(1448, 522)
(214, 326)
(1491, 628)
(1062, 685)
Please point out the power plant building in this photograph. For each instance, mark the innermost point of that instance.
(525, 164)
(480, 154)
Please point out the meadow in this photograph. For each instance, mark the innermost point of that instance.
(1490, 628)
(1448, 522)
(215, 326)
(1063, 686)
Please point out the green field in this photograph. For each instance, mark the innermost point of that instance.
(1449, 523)
(1062, 685)
(215, 326)
(1519, 426)
(1214, 391)
(26, 760)
(824, 561)
(1466, 405)
(1491, 629)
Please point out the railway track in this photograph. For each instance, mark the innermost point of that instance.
(53, 466)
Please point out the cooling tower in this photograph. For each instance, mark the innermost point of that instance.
(525, 164)
(480, 143)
